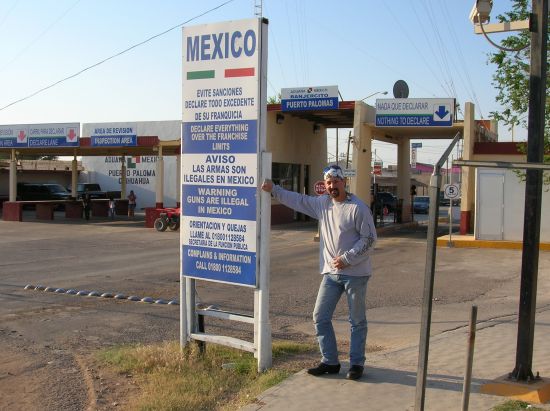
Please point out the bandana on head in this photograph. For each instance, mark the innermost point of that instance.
(333, 171)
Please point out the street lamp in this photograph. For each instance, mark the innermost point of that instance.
(374, 94)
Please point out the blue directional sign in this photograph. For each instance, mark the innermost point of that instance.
(40, 135)
(114, 136)
(415, 112)
(309, 98)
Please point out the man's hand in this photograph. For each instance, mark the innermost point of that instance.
(338, 263)
(267, 185)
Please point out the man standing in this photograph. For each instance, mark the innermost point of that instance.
(347, 236)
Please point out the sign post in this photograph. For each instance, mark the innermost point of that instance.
(223, 141)
(451, 192)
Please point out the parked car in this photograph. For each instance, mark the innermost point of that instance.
(37, 192)
(446, 202)
(41, 192)
(93, 189)
(388, 200)
(421, 204)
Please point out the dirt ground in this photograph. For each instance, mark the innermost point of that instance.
(48, 341)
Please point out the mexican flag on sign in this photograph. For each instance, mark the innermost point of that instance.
(132, 161)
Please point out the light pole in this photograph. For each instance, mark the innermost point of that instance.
(538, 26)
(374, 94)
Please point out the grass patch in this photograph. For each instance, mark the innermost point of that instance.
(174, 379)
(515, 405)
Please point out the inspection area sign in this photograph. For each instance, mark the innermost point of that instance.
(309, 98)
(114, 136)
(220, 164)
(40, 135)
(415, 112)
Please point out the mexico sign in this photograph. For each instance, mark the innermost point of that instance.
(223, 71)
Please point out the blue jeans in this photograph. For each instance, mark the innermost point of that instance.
(330, 290)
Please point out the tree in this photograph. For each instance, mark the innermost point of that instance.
(511, 78)
(274, 99)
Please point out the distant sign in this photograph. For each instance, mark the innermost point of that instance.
(415, 112)
(309, 98)
(14, 135)
(114, 136)
(416, 145)
(319, 187)
(350, 172)
(40, 135)
(451, 191)
(413, 158)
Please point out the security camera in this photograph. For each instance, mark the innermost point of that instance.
(481, 11)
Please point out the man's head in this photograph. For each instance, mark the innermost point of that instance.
(335, 182)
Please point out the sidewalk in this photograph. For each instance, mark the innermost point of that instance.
(390, 379)
(389, 382)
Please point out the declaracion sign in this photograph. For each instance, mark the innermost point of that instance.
(415, 112)
(309, 98)
(222, 70)
(40, 135)
(114, 136)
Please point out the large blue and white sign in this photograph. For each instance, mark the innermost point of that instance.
(114, 136)
(15, 135)
(40, 135)
(222, 75)
(309, 98)
(415, 112)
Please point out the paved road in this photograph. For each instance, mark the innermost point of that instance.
(123, 256)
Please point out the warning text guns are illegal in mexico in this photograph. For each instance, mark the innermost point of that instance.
(221, 64)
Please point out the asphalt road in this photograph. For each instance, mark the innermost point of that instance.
(124, 257)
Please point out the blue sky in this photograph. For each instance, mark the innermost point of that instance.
(363, 46)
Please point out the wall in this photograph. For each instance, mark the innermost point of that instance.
(141, 170)
(511, 200)
(293, 141)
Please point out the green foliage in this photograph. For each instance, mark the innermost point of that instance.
(274, 99)
(514, 405)
(511, 78)
(174, 379)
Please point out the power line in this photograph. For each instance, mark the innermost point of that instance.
(29, 45)
(114, 55)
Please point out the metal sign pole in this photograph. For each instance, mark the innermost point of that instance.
(450, 243)
(429, 274)
(262, 324)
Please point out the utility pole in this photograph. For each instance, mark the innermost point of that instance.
(258, 8)
(533, 192)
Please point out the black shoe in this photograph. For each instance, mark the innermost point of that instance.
(323, 368)
(355, 372)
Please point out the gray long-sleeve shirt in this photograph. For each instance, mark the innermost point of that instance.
(346, 229)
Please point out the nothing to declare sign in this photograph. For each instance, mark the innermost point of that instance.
(309, 98)
(40, 135)
(415, 112)
(221, 107)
